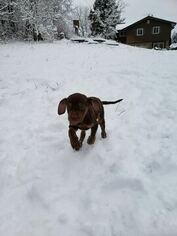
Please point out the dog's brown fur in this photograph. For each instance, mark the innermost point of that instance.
(83, 113)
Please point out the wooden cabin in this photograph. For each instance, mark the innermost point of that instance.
(149, 32)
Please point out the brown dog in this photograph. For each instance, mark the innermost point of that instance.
(84, 113)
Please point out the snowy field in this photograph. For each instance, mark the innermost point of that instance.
(125, 185)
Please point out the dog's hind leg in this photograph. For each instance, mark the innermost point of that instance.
(102, 125)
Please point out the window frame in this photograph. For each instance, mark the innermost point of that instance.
(156, 29)
(138, 31)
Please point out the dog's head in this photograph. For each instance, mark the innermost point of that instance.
(77, 106)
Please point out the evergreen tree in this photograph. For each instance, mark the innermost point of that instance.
(104, 17)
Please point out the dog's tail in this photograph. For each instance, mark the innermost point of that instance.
(111, 102)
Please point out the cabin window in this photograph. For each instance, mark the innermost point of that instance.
(140, 32)
(156, 30)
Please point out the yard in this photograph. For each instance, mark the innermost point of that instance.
(125, 185)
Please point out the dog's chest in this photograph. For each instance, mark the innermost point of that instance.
(85, 126)
(88, 122)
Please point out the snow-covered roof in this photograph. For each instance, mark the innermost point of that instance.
(122, 26)
(128, 24)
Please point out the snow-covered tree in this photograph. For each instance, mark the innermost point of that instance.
(37, 19)
(9, 18)
(63, 16)
(104, 17)
(45, 17)
(81, 13)
(174, 36)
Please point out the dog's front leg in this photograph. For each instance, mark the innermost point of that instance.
(82, 136)
(74, 139)
(91, 138)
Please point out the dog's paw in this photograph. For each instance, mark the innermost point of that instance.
(76, 145)
(91, 140)
(103, 135)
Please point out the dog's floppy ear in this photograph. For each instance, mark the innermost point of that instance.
(62, 106)
(95, 104)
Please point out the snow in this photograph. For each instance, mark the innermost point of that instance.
(122, 26)
(173, 46)
(125, 185)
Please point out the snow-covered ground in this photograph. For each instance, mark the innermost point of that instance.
(125, 185)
